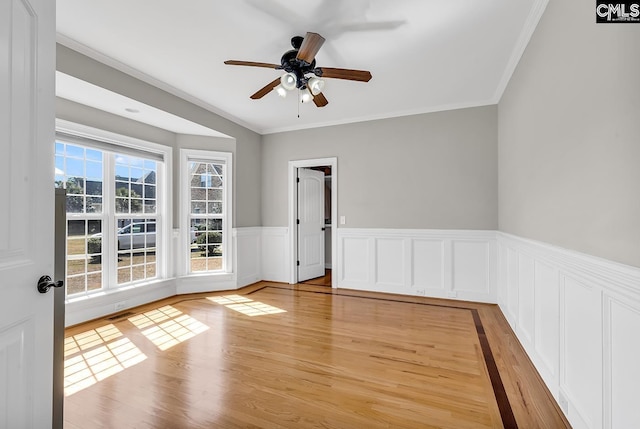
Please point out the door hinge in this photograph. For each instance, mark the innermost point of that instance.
(298, 263)
(298, 221)
(297, 180)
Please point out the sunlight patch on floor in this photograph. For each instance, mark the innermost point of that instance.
(167, 326)
(107, 353)
(246, 306)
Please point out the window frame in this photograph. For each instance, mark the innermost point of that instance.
(106, 141)
(226, 158)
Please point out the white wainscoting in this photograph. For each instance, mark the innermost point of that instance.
(578, 317)
(247, 260)
(275, 257)
(452, 264)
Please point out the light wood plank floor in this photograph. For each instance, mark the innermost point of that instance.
(279, 356)
(320, 281)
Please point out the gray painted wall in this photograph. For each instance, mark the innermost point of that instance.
(436, 170)
(247, 154)
(569, 145)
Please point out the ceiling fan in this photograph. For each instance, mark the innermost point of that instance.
(301, 72)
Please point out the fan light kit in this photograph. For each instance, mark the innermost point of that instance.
(301, 73)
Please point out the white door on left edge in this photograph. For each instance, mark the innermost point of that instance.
(27, 71)
(311, 224)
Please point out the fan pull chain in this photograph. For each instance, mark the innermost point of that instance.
(298, 103)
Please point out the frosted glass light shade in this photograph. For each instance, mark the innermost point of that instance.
(281, 91)
(305, 96)
(315, 85)
(288, 81)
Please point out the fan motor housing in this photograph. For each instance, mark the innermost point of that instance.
(291, 64)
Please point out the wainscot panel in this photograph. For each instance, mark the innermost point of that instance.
(275, 254)
(248, 262)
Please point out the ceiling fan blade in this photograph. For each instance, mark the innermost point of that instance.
(310, 46)
(320, 100)
(275, 10)
(348, 74)
(266, 89)
(371, 26)
(252, 64)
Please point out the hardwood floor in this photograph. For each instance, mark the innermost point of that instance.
(320, 281)
(279, 356)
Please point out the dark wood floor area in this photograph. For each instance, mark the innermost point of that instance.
(279, 356)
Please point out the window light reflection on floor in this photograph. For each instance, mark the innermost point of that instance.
(167, 326)
(246, 306)
(103, 357)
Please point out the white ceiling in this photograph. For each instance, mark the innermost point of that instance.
(424, 55)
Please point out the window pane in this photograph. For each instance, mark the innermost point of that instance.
(136, 250)
(74, 151)
(94, 204)
(214, 224)
(198, 194)
(149, 191)
(94, 281)
(80, 177)
(124, 275)
(94, 187)
(149, 206)
(94, 155)
(206, 252)
(150, 177)
(122, 171)
(198, 207)
(129, 184)
(74, 167)
(94, 170)
(84, 255)
(136, 175)
(136, 205)
(75, 185)
(214, 194)
(75, 204)
(122, 205)
(214, 208)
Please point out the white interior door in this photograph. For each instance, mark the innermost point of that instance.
(311, 226)
(27, 70)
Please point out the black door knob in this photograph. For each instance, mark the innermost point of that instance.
(45, 283)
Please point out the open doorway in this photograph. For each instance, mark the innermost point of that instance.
(312, 220)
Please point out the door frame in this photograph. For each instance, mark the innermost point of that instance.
(293, 205)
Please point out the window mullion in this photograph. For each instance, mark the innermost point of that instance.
(109, 211)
